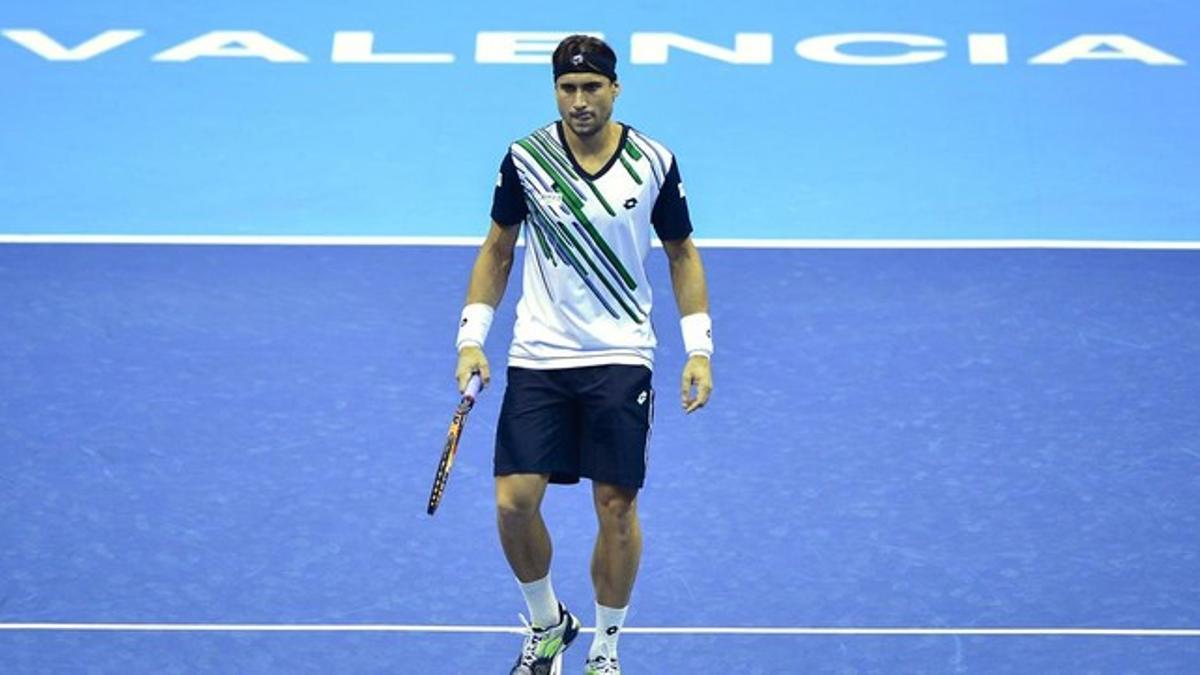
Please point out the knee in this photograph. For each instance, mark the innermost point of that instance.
(515, 509)
(616, 509)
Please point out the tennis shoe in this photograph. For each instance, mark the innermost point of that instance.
(601, 665)
(541, 653)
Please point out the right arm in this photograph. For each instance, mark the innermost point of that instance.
(489, 278)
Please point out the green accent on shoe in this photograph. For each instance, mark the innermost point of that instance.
(549, 648)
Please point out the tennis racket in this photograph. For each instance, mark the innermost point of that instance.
(456, 427)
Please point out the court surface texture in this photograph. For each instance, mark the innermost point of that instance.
(216, 459)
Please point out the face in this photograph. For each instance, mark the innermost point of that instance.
(585, 101)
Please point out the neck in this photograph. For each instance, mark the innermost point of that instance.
(595, 144)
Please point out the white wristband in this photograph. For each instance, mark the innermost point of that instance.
(697, 334)
(474, 325)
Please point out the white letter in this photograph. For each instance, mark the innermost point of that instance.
(1120, 47)
(351, 46)
(749, 48)
(826, 49)
(988, 49)
(492, 47)
(217, 43)
(46, 47)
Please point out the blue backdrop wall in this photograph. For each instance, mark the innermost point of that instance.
(104, 133)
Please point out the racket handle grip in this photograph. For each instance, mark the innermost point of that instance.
(473, 386)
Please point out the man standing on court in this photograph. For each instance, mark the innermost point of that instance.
(579, 401)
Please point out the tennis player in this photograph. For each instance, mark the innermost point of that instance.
(579, 402)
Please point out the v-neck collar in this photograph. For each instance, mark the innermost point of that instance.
(558, 126)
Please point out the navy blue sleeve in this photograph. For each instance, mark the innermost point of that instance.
(670, 214)
(508, 200)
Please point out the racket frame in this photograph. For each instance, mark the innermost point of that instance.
(442, 475)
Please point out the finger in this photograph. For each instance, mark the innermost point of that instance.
(703, 391)
(485, 373)
(685, 389)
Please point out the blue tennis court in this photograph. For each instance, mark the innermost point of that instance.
(226, 450)
(953, 255)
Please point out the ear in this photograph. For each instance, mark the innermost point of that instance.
(616, 85)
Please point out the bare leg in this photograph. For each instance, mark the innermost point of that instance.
(523, 533)
(618, 544)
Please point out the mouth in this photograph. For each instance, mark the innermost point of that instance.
(582, 117)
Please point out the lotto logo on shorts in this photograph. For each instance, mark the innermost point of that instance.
(642, 398)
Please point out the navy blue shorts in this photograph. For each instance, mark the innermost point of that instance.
(589, 422)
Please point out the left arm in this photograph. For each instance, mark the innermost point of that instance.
(687, 276)
(691, 296)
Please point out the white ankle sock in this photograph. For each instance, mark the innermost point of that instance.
(543, 604)
(608, 628)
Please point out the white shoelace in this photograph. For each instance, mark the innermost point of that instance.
(532, 638)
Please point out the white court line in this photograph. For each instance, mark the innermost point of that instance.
(662, 630)
(255, 240)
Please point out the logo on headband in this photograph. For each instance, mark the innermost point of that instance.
(586, 63)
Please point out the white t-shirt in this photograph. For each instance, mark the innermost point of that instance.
(585, 297)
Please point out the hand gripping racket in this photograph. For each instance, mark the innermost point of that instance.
(456, 427)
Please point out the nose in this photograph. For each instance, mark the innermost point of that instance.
(579, 102)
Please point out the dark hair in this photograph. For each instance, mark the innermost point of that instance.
(598, 57)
